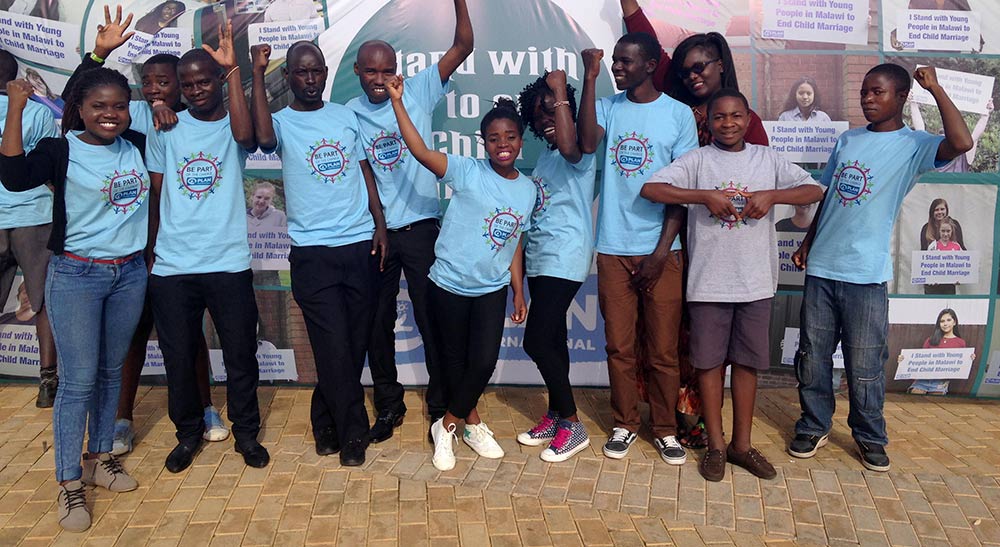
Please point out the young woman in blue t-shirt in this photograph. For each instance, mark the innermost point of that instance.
(477, 255)
(96, 278)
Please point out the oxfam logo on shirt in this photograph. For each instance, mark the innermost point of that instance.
(125, 192)
(501, 225)
(199, 175)
(853, 183)
(387, 151)
(327, 161)
(631, 154)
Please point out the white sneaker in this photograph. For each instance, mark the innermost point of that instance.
(215, 428)
(480, 438)
(444, 451)
(124, 436)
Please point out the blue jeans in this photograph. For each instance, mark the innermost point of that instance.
(857, 316)
(93, 310)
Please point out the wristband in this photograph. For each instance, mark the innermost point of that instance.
(96, 59)
(230, 73)
(557, 104)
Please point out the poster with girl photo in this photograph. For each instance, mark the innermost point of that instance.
(267, 228)
(935, 345)
(792, 226)
(942, 227)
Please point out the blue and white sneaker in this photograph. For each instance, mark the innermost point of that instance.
(215, 429)
(619, 442)
(542, 433)
(570, 438)
(124, 436)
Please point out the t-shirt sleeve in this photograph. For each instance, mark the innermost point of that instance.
(460, 172)
(586, 163)
(687, 139)
(682, 172)
(926, 151)
(42, 126)
(603, 110)
(156, 151)
(359, 141)
(831, 164)
(139, 118)
(276, 123)
(427, 87)
(789, 175)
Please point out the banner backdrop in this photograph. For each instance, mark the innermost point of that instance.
(782, 49)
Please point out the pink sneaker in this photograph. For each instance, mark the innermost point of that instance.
(542, 433)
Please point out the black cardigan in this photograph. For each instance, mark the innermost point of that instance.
(47, 165)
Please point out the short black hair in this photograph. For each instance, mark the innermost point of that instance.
(308, 44)
(723, 93)
(899, 76)
(503, 109)
(648, 44)
(538, 90)
(199, 55)
(8, 66)
(162, 59)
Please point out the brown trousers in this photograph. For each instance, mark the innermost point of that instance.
(657, 314)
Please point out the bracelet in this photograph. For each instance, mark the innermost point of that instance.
(95, 58)
(557, 104)
(230, 73)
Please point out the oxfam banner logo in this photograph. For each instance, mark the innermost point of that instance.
(536, 35)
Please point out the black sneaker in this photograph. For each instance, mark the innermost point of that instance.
(873, 456)
(327, 442)
(354, 453)
(805, 446)
(384, 424)
(670, 450)
(618, 443)
(48, 382)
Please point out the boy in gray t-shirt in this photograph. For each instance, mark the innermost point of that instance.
(729, 187)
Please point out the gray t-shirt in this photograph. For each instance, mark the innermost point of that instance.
(731, 260)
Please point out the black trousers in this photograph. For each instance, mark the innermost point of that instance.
(179, 304)
(336, 288)
(411, 253)
(468, 330)
(545, 337)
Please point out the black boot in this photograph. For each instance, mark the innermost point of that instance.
(47, 384)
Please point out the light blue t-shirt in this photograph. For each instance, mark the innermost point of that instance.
(409, 192)
(640, 138)
(481, 227)
(142, 117)
(325, 195)
(203, 225)
(560, 242)
(867, 177)
(106, 190)
(34, 207)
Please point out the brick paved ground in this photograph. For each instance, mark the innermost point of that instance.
(943, 489)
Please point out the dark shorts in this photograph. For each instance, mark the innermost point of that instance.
(26, 248)
(724, 332)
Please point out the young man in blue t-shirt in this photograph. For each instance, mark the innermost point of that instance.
(639, 262)
(870, 171)
(338, 237)
(25, 224)
(411, 198)
(201, 254)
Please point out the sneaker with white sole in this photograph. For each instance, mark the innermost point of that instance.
(805, 445)
(570, 438)
(124, 435)
(107, 472)
(73, 513)
(670, 450)
(542, 433)
(480, 438)
(215, 429)
(444, 450)
(618, 444)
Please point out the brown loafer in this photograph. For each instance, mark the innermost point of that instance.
(753, 461)
(713, 465)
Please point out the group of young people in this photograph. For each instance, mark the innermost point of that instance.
(157, 185)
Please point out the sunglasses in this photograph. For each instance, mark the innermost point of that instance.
(696, 68)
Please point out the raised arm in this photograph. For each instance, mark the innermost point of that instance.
(629, 7)
(916, 117)
(262, 124)
(978, 130)
(434, 161)
(636, 21)
(12, 143)
(239, 113)
(566, 139)
(461, 46)
(590, 133)
(110, 36)
(20, 172)
(380, 240)
(957, 139)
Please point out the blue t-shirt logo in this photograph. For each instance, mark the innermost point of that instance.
(631, 154)
(501, 225)
(327, 161)
(853, 182)
(199, 175)
(387, 151)
(126, 191)
(542, 196)
(738, 196)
